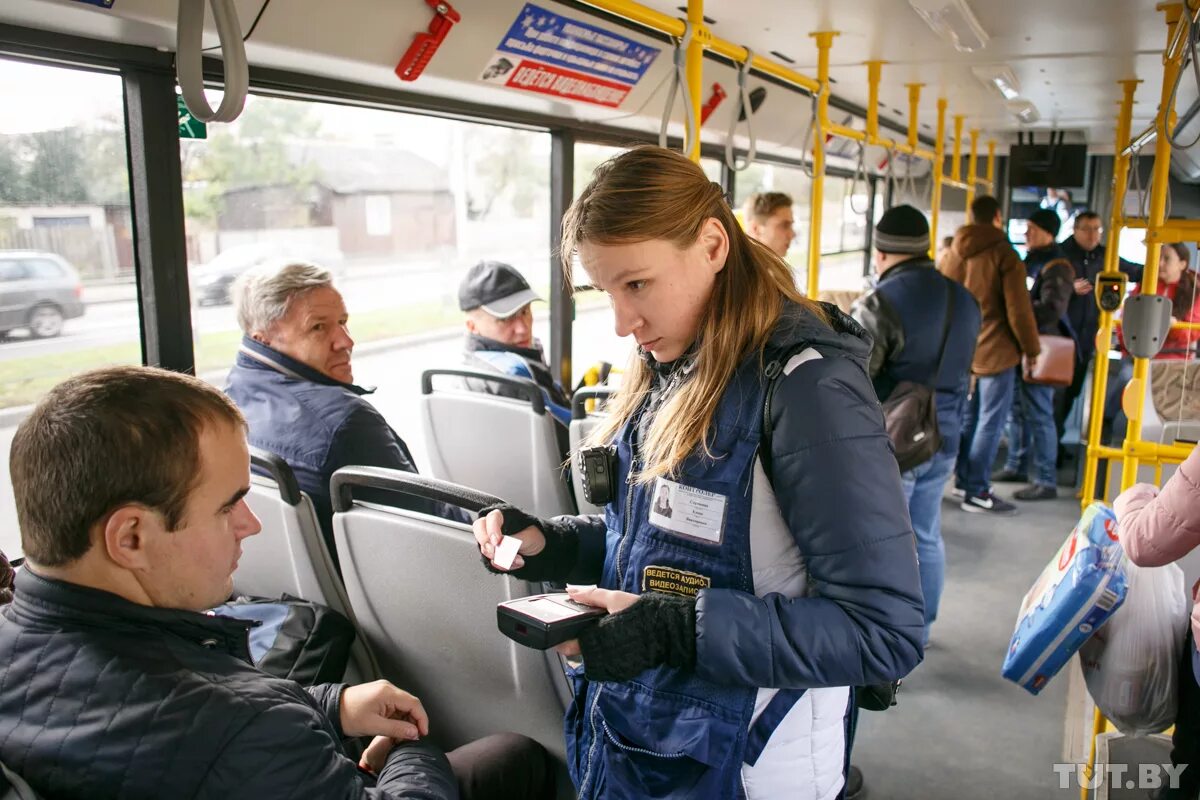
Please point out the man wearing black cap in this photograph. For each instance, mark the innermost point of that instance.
(906, 315)
(497, 300)
(1032, 436)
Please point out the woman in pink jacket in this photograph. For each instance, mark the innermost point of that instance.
(1156, 528)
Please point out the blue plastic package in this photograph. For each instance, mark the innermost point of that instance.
(1076, 593)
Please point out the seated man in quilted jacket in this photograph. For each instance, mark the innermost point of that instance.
(130, 485)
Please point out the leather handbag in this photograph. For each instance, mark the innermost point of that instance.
(1056, 364)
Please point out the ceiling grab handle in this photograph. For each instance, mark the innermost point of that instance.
(189, 69)
(743, 107)
(814, 127)
(680, 79)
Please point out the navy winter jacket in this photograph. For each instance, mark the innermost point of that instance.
(318, 425)
(839, 493)
(104, 698)
(905, 315)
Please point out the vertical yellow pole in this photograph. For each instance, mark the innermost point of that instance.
(1158, 209)
(874, 75)
(956, 164)
(939, 163)
(914, 100)
(695, 69)
(1105, 328)
(972, 167)
(817, 196)
(991, 166)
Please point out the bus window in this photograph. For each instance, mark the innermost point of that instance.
(68, 301)
(397, 206)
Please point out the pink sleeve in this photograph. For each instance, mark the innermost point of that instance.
(1160, 530)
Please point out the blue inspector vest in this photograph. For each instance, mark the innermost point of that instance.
(668, 733)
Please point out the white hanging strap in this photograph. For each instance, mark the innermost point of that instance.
(742, 107)
(680, 79)
(189, 70)
(814, 126)
(890, 194)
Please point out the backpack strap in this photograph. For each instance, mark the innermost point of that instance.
(772, 372)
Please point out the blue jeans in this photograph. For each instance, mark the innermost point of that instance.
(923, 487)
(987, 412)
(1040, 434)
(1018, 434)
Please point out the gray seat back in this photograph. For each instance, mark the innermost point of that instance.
(428, 609)
(289, 555)
(582, 425)
(499, 445)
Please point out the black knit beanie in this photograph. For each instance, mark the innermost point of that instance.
(1047, 220)
(902, 230)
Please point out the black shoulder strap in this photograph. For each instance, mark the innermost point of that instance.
(945, 332)
(772, 372)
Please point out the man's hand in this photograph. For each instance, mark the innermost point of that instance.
(609, 599)
(1032, 362)
(380, 709)
(1083, 286)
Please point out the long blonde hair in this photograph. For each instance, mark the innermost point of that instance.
(652, 193)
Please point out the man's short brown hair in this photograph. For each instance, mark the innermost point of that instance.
(761, 206)
(104, 439)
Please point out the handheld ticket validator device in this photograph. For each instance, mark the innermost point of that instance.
(541, 621)
(1110, 291)
(597, 471)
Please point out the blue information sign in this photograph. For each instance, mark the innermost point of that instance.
(546, 36)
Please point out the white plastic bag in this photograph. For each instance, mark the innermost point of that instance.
(1131, 665)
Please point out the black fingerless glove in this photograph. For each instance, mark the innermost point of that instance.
(658, 629)
(556, 560)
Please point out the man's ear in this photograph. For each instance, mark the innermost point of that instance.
(124, 536)
(471, 327)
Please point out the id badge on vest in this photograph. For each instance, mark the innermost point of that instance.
(687, 511)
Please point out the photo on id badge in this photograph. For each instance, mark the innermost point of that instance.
(687, 511)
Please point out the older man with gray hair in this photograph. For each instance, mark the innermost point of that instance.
(294, 382)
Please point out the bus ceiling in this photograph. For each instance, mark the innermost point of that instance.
(1002, 68)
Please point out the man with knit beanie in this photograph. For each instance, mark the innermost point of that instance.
(983, 260)
(910, 312)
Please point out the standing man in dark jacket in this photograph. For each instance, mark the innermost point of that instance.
(130, 485)
(983, 260)
(1031, 432)
(906, 315)
(1087, 254)
(497, 301)
(294, 383)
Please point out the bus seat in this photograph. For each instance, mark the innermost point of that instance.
(429, 611)
(499, 445)
(14, 787)
(582, 425)
(289, 555)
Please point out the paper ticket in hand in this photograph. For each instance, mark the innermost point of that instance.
(506, 552)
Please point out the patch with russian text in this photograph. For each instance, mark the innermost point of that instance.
(673, 581)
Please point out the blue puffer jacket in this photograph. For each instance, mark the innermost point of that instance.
(318, 425)
(103, 698)
(813, 587)
(905, 315)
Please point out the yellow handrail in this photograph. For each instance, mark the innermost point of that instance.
(1105, 327)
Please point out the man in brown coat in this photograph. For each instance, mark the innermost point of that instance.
(983, 260)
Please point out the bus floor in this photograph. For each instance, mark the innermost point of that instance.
(960, 729)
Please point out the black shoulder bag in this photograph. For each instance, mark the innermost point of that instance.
(910, 411)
